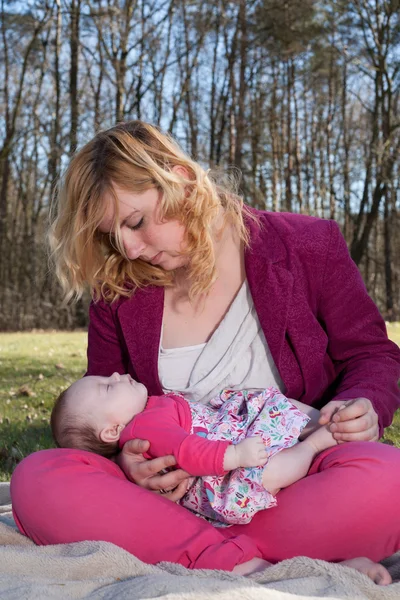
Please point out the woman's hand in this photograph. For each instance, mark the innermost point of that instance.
(146, 473)
(357, 421)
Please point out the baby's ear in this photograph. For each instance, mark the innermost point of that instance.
(111, 434)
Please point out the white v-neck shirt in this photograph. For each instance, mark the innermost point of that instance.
(235, 357)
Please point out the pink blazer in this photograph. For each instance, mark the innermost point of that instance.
(325, 334)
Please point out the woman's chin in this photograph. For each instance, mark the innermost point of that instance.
(174, 263)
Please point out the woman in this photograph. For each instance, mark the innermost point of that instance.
(192, 292)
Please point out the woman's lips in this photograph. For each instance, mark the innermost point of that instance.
(155, 260)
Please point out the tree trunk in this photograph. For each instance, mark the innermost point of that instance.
(299, 185)
(241, 118)
(55, 146)
(289, 155)
(274, 139)
(73, 80)
(346, 152)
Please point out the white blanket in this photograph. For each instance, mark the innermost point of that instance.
(101, 570)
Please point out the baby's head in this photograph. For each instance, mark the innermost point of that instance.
(93, 411)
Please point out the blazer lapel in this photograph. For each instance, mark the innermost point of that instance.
(271, 286)
(141, 323)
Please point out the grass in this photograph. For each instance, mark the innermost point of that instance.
(392, 433)
(34, 368)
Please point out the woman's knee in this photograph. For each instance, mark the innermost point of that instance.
(49, 484)
(372, 454)
(47, 468)
(369, 466)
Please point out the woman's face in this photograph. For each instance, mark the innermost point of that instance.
(143, 234)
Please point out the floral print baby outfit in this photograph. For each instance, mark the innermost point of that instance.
(234, 498)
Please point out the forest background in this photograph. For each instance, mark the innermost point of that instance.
(300, 96)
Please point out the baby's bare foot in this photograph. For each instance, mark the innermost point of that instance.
(251, 566)
(374, 571)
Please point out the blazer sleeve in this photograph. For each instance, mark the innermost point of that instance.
(367, 362)
(105, 352)
(161, 427)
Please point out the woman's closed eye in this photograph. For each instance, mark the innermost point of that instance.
(137, 226)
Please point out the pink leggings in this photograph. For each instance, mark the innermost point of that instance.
(347, 506)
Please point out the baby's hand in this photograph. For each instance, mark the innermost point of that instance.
(251, 452)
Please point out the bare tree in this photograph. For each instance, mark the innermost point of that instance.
(302, 97)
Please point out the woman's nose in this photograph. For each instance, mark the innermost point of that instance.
(134, 247)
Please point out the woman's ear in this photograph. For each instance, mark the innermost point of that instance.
(181, 170)
(111, 434)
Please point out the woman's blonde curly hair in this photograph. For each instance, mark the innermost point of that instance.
(134, 156)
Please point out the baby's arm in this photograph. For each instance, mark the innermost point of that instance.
(161, 423)
(200, 456)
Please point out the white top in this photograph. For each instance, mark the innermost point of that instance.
(235, 357)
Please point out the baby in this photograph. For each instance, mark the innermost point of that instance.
(241, 449)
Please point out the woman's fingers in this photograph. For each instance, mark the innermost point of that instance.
(165, 481)
(356, 422)
(148, 473)
(327, 411)
(178, 493)
(131, 457)
(346, 410)
(353, 409)
(168, 481)
(136, 446)
(150, 469)
(349, 409)
(351, 420)
(360, 424)
(139, 469)
(367, 435)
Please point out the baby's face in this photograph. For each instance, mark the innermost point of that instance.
(110, 400)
